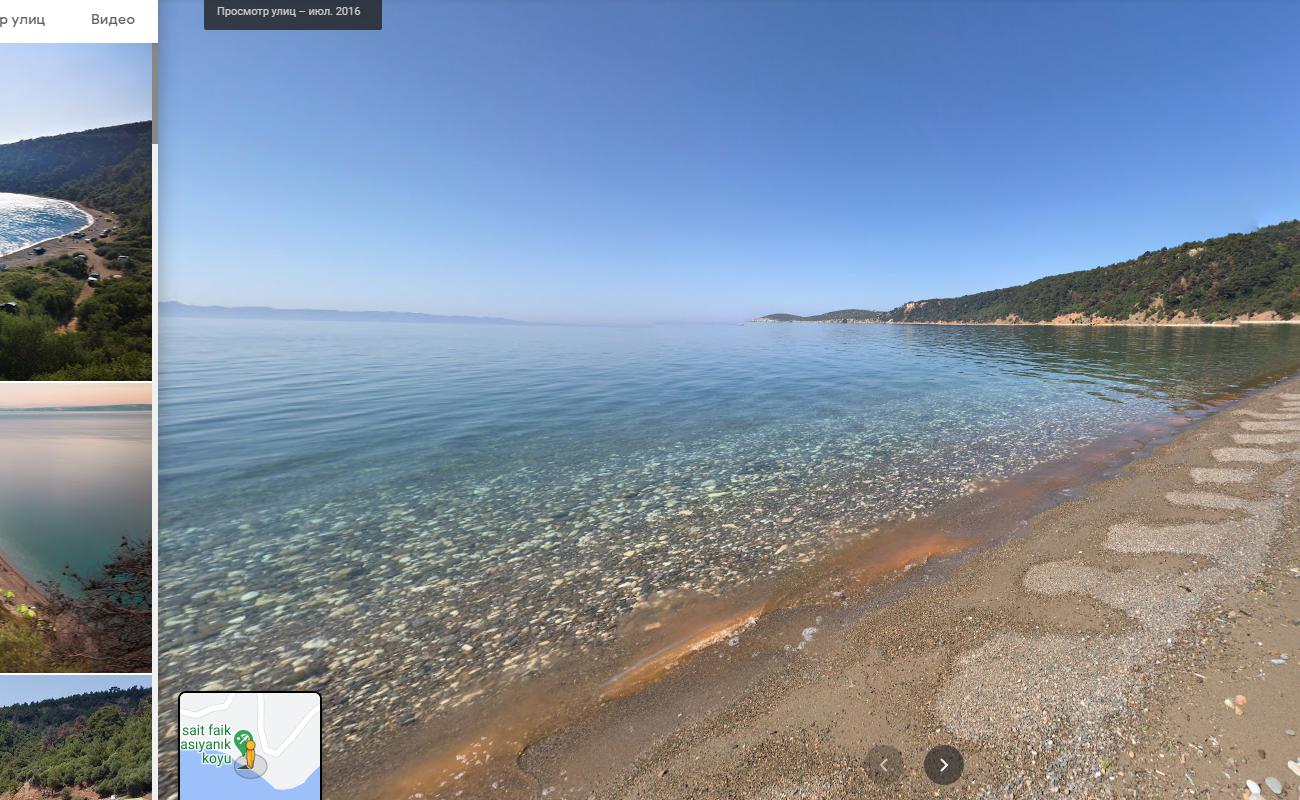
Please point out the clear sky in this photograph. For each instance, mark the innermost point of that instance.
(43, 394)
(26, 688)
(676, 161)
(60, 88)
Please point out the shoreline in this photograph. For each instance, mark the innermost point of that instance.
(64, 244)
(1045, 659)
(1235, 323)
(90, 223)
(26, 591)
(761, 614)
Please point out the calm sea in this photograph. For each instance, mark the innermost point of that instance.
(72, 485)
(407, 515)
(26, 220)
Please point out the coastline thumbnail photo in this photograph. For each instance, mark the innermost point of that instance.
(75, 536)
(76, 222)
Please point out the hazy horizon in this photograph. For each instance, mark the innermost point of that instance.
(489, 316)
(640, 162)
(53, 394)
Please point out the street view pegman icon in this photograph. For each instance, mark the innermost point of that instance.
(244, 741)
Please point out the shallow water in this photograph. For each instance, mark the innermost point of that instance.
(407, 516)
(26, 220)
(72, 484)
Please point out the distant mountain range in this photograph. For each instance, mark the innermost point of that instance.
(172, 308)
(1242, 277)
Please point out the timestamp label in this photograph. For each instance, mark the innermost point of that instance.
(287, 15)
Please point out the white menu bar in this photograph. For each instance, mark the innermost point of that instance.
(78, 21)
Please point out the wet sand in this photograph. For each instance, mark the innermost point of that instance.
(1054, 654)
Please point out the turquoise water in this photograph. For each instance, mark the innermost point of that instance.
(72, 485)
(405, 516)
(26, 220)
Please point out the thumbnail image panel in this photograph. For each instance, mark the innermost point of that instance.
(76, 737)
(76, 227)
(75, 532)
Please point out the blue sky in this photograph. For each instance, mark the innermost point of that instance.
(595, 162)
(26, 688)
(49, 89)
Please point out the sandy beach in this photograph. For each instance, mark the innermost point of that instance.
(70, 245)
(12, 579)
(64, 245)
(1134, 640)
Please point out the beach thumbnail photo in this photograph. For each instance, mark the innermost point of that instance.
(76, 212)
(76, 737)
(76, 565)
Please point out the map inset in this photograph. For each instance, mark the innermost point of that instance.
(250, 745)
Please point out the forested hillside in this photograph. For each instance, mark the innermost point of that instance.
(98, 741)
(108, 335)
(1232, 277)
(107, 168)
